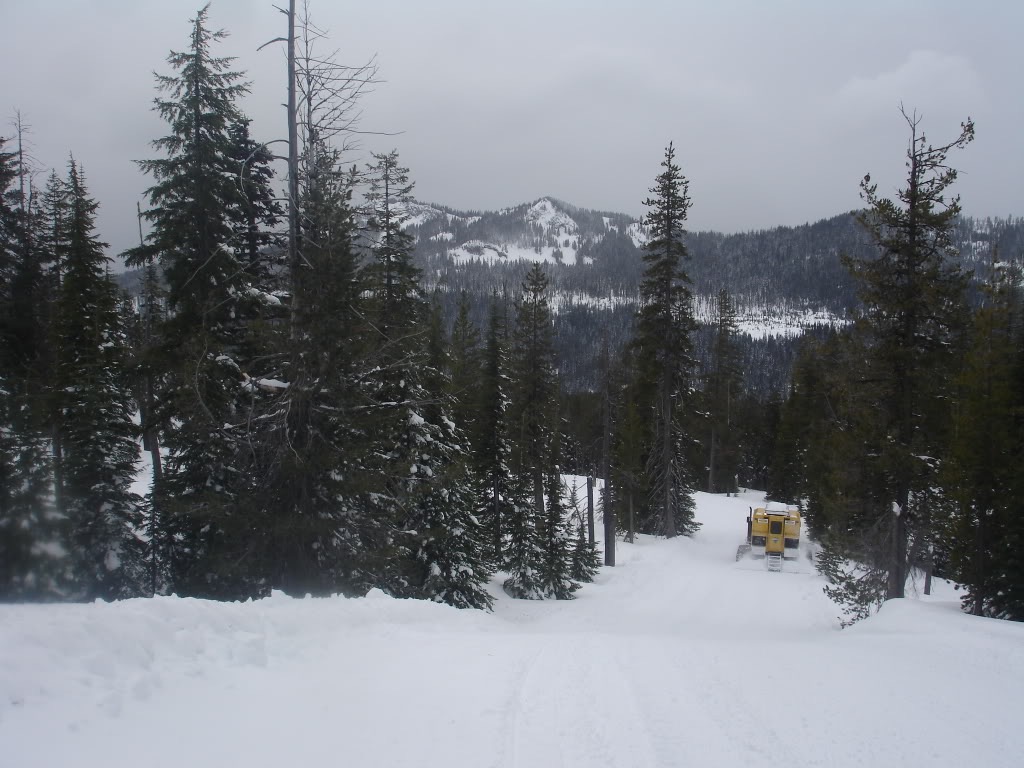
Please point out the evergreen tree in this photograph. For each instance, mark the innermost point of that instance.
(664, 352)
(723, 391)
(984, 532)
(194, 214)
(498, 494)
(27, 533)
(257, 212)
(196, 191)
(464, 364)
(315, 533)
(914, 303)
(628, 448)
(395, 302)
(532, 528)
(95, 407)
(428, 491)
(555, 567)
(584, 560)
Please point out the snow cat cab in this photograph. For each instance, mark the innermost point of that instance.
(773, 533)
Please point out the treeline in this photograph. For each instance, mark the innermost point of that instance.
(310, 425)
(903, 432)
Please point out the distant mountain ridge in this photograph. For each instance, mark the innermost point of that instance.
(598, 254)
(784, 281)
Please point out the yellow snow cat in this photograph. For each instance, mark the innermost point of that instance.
(773, 533)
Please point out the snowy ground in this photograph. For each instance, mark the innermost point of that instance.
(677, 657)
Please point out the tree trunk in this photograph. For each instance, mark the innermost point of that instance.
(632, 530)
(606, 461)
(668, 465)
(293, 171)
(538, 491)
(897, 552)
(497, 519)
(609, 522)
(711, 463)
(590, 508)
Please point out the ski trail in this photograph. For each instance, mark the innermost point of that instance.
(571, 706)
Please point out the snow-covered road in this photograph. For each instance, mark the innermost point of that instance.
(677, 657)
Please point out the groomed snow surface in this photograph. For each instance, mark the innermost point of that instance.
(677, 657)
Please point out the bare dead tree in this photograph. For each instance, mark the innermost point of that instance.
(323, 114)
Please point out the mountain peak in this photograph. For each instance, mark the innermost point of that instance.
(546, 214)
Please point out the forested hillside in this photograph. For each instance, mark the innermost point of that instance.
(782, 282)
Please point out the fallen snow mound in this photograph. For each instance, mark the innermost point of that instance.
(678, 656)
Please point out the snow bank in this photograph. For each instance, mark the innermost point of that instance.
(678, 656)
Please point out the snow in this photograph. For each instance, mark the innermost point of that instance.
(677, 657)
(417, 214)
(489, 253)
(549, 218)
(637, 232)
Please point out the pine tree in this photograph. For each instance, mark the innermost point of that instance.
(427, 489)
(534, 409)
(464, 365)
(584, 560)
(914, 306)
(723, 391)
(29, 569)
(95, 408)
(555, 567)
(395, 302)
(984, 531)
(316, 533)
(257, 211)
(664, 352)
(498, 494)
(204, 347)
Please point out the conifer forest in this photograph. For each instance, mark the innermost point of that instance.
(330, 386)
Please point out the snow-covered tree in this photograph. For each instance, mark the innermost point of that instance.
(95, 409)
(534, 529)
(914, 309)
(195, 213)
(426, 488)
(664, 354)
(498, 494)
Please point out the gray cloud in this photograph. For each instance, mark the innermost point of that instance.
(776, 109)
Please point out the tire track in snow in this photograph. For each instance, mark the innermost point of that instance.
(572, 706)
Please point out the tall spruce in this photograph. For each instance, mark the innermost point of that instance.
(498, 495)
(664, 357)
(464, 363)
(914, 307)
(194, 211)
(302, 528)
(536, 559)
(95, 409)
(985, 532)
(426, 485)
(257, 212)
(722, 393)
(27, 533)
(555, 573)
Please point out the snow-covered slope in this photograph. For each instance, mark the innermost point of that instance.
(677, 657)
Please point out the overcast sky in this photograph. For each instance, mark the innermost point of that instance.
(777, 109)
